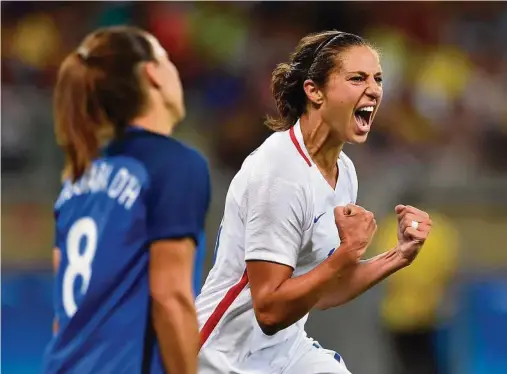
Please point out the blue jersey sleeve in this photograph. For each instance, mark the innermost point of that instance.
(55, 229)
(178, 198)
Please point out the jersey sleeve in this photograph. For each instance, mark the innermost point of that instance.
(178, 199)
(56, 243)
(56, 213)
(274, 220)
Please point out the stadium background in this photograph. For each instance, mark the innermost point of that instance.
(440, 139)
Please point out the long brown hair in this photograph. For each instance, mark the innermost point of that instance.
(98, 92)
(315, 58)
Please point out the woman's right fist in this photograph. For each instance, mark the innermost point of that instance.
(356, 227)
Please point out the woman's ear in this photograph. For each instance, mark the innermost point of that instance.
(313, 92)
(152, 72)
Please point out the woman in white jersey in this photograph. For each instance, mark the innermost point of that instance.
(291, 238)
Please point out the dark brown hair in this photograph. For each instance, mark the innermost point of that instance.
(98, 91)
(314, 58)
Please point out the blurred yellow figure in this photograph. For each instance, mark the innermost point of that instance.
(414, 294)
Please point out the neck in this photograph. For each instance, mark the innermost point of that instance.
(159, 121)
(320, 143)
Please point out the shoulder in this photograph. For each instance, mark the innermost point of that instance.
(184, 156)
(274, 177)
(161, 154)
(278, 159)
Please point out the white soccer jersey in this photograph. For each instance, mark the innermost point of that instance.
(278, 208)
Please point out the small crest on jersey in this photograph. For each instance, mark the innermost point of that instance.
(316, 219)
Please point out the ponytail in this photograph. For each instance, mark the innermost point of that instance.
(98, 92)
(286, 87)
(79, 119)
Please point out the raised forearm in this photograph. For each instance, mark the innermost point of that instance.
(279, 308)
(357, 279)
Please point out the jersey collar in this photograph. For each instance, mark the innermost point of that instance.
(134, 128)
(296, 137)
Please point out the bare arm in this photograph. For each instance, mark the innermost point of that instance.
(173, 312)
(365, 274)
(56, 266)
(279, 300)
(360, 277)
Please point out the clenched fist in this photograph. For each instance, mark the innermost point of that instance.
(356, 227)
(414, 226)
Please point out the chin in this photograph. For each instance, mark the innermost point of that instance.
(178, 112)
(182, 114)
(358, 138)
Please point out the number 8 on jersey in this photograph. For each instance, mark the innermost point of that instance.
(79, 264)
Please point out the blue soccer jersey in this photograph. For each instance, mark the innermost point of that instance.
(200, 256)
(146, 187)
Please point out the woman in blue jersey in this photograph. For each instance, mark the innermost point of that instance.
(130, 213)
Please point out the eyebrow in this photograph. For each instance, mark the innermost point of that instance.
(364, 73)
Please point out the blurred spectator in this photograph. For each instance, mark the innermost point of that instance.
(415, 295)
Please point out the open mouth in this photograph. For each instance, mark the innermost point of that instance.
(363, 117)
